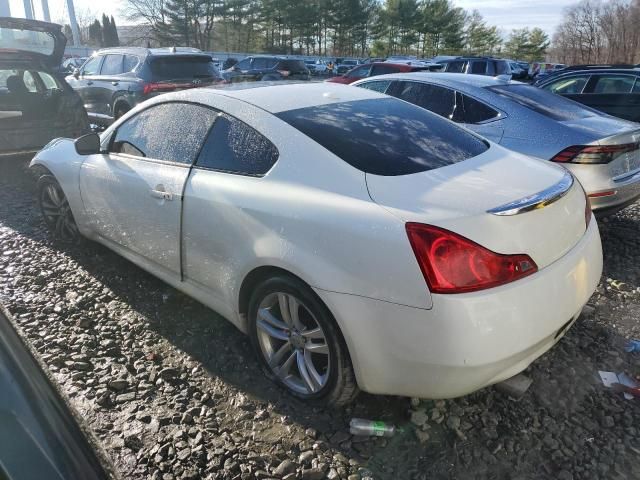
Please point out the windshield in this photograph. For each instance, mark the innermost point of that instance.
(27, 41)
(540, 101)
(385, 136)
(171, 68)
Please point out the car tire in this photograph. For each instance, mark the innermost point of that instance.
(119, 110)
(316, 368)
(56, 211)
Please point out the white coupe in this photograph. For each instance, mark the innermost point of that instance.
(362, 242)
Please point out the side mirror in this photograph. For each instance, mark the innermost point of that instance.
(88, 144)
(76, 73)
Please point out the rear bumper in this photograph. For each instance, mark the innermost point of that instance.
(466, 341)
(625, 191)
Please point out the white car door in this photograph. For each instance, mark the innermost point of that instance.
(133, 193)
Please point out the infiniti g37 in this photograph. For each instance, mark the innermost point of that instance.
(363, 243)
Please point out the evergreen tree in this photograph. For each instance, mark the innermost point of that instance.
(95, 34)
(115, 40)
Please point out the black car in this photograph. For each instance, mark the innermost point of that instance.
(477, 66)
(613, 91)
(36, 104)
(40, 437)
(115, 80)
(265, 68)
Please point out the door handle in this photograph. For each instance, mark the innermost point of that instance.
(115, 84)
(162, 195)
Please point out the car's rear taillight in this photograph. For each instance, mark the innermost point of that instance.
(594, 153)
(452, 263)
(165, 87)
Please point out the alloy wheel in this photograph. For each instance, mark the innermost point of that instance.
(293, 343)
(57, 213)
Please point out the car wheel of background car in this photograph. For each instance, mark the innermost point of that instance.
(120, 110)
(298, 342)
(56, 212)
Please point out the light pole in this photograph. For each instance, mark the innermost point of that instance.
(75, 31)
(45, 11)
(5, 11)
(28, 9)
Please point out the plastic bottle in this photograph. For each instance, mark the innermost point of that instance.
(370, 428)
(632, 346)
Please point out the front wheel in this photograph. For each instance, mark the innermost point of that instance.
(56, 211)
(298, 342)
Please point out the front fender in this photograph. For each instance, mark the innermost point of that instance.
(61, 159)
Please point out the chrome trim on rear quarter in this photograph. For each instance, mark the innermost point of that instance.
(537, 200)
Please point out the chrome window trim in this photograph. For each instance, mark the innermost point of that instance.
(537, 200)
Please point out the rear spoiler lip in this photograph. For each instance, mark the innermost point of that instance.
(537, 200)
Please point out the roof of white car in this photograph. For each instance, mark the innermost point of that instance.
(452, 79)
(278, 97)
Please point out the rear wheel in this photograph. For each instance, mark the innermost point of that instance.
(120, 110)
(298, 342)
(56, 211)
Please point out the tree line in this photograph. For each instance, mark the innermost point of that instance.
(596, 31)
(96, 34)
(375, 28)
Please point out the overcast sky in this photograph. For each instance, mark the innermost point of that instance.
(506, 14)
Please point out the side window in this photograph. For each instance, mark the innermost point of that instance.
(244, 64)
(112, 65)
(30, 82)
(614, 84)
(48, 81)
(476, 111)
(92, 66)
(259, 64)
(272, 62)
(636, 87)
(455, 67)
(478, 68)
(172, 132)
(359, 72)
(377, 85)
(568, 85)
(130, 63)
(235, 147)
(382, 70)
(437, 99)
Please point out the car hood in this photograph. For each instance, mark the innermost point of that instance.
(600, 126)
(45, 43)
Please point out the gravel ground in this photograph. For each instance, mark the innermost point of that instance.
(174, 392)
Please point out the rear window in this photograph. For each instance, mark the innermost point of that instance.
(27, 40)
(170, 68)
(545, 103)
(385, 136)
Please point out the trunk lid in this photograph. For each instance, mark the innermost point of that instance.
(40, 41)
(459, 197)
(628, 163)
(599, 126)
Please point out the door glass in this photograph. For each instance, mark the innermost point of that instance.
(377, 85)
(614, 84)
(244, 64)
(437, 99)
(49, 82)
(130, 63)
(455, 67)
(476, 111)
(479, 68)
(271, 62)
(568, 85)
(30, 82)
(112, 65)
(259, 64)
(92, 66)
(383, 70)
(234, 146)
(172, 132)
(359, 72)
(636, 87)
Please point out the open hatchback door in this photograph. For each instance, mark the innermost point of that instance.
(31, 39)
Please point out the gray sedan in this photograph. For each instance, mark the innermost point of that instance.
(603, 152)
